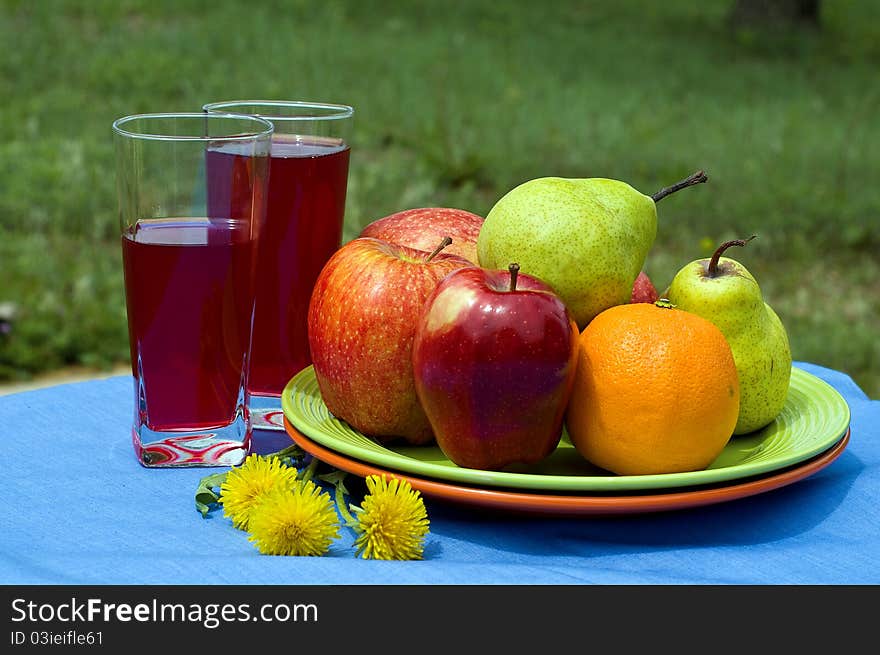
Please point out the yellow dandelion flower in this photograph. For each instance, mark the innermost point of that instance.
(245, 486)
(392, 521)
(298, 522)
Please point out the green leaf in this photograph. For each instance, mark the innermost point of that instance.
(206, 498)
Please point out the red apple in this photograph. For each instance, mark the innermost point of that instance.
(643, 289)
(423, 228)
(494, 359)
(363, 313)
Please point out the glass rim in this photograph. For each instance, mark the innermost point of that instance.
(342, 111)
(269, 128)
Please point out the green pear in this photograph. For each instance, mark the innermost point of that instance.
(723, 291)
(587, 238)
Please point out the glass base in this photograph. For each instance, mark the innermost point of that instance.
(225, 446)
(266, 412)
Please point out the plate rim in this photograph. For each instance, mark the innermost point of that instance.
(531, 502)
(550, 482)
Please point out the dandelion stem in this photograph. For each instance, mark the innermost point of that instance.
(310, 469)
(350, 521)
(291, 451)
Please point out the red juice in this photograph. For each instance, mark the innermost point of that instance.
(189, 300)
(304, 217)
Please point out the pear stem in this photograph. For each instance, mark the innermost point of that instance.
(514, 271)
(445, 242)
(697, 178)
(712, 269)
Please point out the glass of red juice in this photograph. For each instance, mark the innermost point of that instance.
(192, 204)
(304, 220)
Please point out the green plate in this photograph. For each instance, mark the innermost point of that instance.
(814, 418)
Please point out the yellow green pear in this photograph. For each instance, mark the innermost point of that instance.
(723, 291)
(588, 238)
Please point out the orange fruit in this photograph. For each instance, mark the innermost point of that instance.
(656, 391)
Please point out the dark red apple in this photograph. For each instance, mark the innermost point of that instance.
(363, 314)
(422, 228)
(643, 289)
(494, 359)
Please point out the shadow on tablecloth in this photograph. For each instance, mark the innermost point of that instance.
(763, 518)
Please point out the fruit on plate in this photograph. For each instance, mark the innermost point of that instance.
(587, 238)
(723, 291)
(423, 227)
(363, 313)
(643, 289)
(655, 391)
(494, 360)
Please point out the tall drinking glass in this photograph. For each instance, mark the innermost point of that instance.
(192, 191)
(304, 219)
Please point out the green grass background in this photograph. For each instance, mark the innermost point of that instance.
(456, 103)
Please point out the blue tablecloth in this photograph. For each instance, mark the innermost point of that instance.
(77, 508)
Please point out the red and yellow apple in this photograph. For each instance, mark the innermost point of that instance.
(424, 227)
(494, 360)
(364, 309)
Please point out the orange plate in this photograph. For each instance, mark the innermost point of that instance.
(560, 504)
